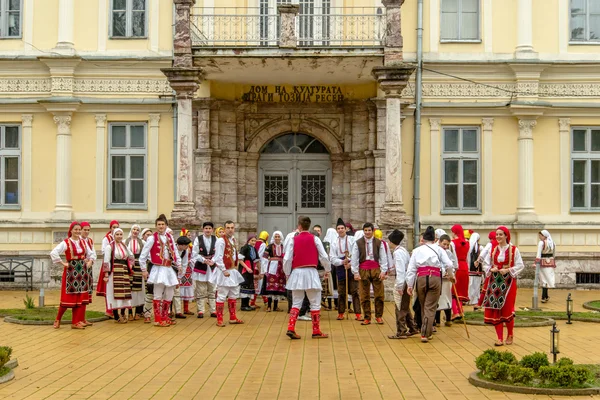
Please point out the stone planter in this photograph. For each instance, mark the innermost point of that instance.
(8, 377)
(588, 306)
(535, 322)
(475, 380)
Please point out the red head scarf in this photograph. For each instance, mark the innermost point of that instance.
(113, 222)
(73, 225)
(459, 231)
(492, 235)
(506, 232)
(84, 224)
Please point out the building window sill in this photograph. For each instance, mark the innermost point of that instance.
(584, 43)
(11, 37)
(12, 207)
(584, 211)
(444, 41)
(128, 38)
(460, 212)
(127, 207)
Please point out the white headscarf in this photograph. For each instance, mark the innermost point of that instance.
(131, 231)
(277, 233)
(358, 235)
(549, 241)
(330, 236)
(473, 241)
(144, 231)
(117, 230)
(439, 232)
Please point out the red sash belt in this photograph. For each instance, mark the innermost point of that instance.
(369, 264)
(429, 271)
(305, 266)
(166, 263)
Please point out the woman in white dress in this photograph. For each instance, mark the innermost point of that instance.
(117, 267)
(138, 289)
(445, 302)
(545, 259)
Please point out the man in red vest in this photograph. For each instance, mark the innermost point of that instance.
(302, 255)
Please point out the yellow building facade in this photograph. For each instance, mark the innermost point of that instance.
(261, 110)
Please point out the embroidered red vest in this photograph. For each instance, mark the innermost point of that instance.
(157, 252)
(306, 254)
(462, 251)
(89, 243)
(509, 258)
(72, 253)
(230, 255)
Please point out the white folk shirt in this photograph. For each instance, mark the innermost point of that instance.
(121, 253)
(220, 250)
(78, 244)
(145, 256)
(338, 248)
(485, 251)
(197, 257)
(383, 259)
(514, 271)
(427, 255)
(289, 256)
(401, 260)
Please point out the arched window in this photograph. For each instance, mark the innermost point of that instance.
(295, 143)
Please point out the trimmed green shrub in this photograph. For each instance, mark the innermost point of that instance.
(5, 353)
(519, 374)
(563, 362)
(548, 374)
(498, 371)
(508, 357)
(565, 376)
(535, 361)
(492, 357)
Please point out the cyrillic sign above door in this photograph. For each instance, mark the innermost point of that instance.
(293, 94)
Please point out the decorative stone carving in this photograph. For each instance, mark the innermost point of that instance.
(434, 124)
(27, 120)
(526, 128)
(62, 84)
(487, 123)
(63, 122)
(153, 119)
(569, 89)
(30, 85)
(100, 120)
(392, 80)
(158, 86)
(564, 124)
(287, 14)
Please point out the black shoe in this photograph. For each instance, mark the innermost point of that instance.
(200, 315)
(180, 316)
(246, 308)
(213, 315)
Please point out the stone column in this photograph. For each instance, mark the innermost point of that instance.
(392, 80)
(337, 186)
(182, 43)
(436, 182)
(488, 164)
(63, 210)
(524, 47)
(26, 143)
(153, 163)
(203, 163)
(241, 187)
(287, 14)
(66, 20)
(251, 212)
(525, 208)
(393, 30)
(100, 159)
(564, 131)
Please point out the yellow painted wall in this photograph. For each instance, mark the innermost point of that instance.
(409, 27)
(408, 144)
(506, 166)
(545, 26)
(165, 162)
(85, 31)
(426, 165)
(45, 24)
(505, 14)
(43, 138)
(546, 191)
(83, 161)
(165, 29)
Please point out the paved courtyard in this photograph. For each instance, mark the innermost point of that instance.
(195, 359)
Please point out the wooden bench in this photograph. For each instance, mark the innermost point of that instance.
(11, 268)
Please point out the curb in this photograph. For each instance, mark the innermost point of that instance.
(12, 364)
(8, 377)
(475, 380)
(30, 322)
(543, 321)
(588, 306)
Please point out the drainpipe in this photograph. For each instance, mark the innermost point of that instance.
(418, 101)
(175, 151)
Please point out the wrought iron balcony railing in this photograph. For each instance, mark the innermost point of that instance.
(314, 27)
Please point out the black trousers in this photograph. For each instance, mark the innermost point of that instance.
(417, 310)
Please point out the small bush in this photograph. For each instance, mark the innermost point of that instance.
(535, 361)
(565, 376)
(508, 357)
(520, 375)
(5, 353)
(548, 374)
(582, 375)
(29, 304)
(491, 357)
(564, 362)
(498, 371)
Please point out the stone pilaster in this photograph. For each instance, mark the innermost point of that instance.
(182, 42)
(337, 189)
(434, 173)
(66, 21)
(392, 80)
(379, 176)
(26, 143)
(203, 163)
(63, 210)
(393, 39)
(100, 160)
(525, 207)
(241, 187)
(62, 75)
(564, 132)
(488, 163)
(287, 17)
(524, 49)
(251, 210)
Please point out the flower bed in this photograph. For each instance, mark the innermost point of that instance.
(6, 373)
(43, 316)
(534, 374)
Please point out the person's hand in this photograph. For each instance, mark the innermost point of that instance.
(356, 277)
(494, 269)
(476, 262)
(145, 274)
(409, 291)
(504, 271)
(401, 292)
(347, 266)
(452, 278)
(65, 264)
(226, 273)
(326, 275)
(383, 276)
(106, 278)
(261, 276)
(89, 263)
(210, 263)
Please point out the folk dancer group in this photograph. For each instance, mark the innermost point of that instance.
(151, 272)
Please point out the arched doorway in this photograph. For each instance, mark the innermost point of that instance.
(294, 175)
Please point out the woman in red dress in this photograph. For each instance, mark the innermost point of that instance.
(502, 265)
(85, 236)
(74, 288)
(461, 250)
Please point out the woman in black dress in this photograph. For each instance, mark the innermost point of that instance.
(246, 268)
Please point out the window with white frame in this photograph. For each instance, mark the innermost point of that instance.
(127, 165)
(10, 165)
(585, 20)
(461, 169)
(10, 18)
(128, 18)
(585, 168)
(459, 20)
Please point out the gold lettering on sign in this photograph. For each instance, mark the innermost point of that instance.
(293, 94)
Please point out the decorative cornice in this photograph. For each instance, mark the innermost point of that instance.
(488, 123)
(564, 124)
(158, 86)
(28, 85)
(569, 89)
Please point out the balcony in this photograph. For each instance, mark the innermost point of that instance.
(313, 28)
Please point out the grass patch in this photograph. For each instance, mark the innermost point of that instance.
(595, 303)
(4, 371)
(43, 314)
(523, 315)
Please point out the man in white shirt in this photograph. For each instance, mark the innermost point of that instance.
(203, 253)
(405, 324)
(339, 255)
(369, 266)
